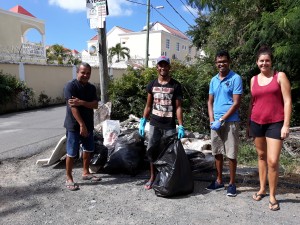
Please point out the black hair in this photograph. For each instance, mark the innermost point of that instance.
(264, 50)
(222, 53)
(83, 64)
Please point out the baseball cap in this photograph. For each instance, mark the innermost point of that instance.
(163, 58)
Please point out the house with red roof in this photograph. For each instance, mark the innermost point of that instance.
(14, 45)
(163, 40)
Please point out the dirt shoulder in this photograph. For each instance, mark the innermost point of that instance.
(36, 195)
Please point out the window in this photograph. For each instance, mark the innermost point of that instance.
(168, 43)
(190, 50)
(177, 46)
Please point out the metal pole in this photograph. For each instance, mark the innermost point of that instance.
(147, 38)
(101, 70)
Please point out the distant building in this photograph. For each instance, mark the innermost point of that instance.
(163, 40)
(14, 47)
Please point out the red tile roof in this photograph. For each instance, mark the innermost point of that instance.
(173, 31)
(19, 9)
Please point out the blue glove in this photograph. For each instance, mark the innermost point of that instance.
(180, 132)
(142, 126)
(216, 125)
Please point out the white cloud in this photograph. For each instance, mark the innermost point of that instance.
(115, 7)
(190, 10)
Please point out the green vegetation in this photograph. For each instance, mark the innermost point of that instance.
(242, 27)
(119, 51)
(11, 89)
(247, 156)
(58, 54)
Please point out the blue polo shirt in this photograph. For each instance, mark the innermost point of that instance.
(223, 91)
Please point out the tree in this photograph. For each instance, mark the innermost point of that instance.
(242, 27)
(119, 51)
(57, 54)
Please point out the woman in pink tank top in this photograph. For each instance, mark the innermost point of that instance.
(270, 113)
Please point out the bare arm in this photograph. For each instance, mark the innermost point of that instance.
(74, 103)
(234, 107)
(210, 103)
(78, 118)
(249, 110)
(287, 101)
(148, 106)
(179, 112)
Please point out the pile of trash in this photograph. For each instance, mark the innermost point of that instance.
(120, 149)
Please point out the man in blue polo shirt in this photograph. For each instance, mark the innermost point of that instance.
(225, 91)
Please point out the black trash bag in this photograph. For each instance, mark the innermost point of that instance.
(200, 164)
(127, 155)
(174, 171)
(100, 154)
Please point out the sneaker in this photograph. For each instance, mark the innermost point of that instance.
(214, 186)
(231, 190)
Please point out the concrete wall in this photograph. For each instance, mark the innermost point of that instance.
(49, 79)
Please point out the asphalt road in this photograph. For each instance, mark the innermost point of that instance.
(26, 133)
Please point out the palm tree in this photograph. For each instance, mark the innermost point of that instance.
(57, 54)
(119, 51)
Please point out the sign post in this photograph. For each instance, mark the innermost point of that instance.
(97, 10)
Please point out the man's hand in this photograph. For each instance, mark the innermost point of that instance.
(216, 125)
(73, 102)
(83, 131)
(180, 132)
(142, 126)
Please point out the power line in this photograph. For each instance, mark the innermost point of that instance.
(188, 9)
(166, 18)
(136, 2)
(178, 13)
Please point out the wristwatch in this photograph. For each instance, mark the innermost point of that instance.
(222, 121)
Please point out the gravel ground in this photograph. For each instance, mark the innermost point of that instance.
(36, 195)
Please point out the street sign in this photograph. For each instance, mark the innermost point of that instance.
(97, 22)
(96, 8)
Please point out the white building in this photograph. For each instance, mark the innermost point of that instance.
(14, 46)
(163, 40)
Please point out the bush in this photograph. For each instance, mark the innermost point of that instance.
(11, 88)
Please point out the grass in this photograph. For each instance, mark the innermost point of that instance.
(247, 156)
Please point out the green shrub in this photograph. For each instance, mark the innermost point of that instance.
(11, 88)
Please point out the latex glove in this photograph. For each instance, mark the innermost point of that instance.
(142, 126)
(180, 132)
(216, 125)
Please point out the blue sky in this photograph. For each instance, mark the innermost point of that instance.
(66, 21)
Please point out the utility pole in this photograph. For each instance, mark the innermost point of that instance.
(103, 71)
(147, 34)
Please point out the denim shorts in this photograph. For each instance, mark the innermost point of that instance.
(74, 140)
(270, 130)
(155, 136)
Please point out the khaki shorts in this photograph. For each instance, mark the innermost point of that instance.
(225, 141)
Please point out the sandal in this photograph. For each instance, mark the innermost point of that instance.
(258, 197)
(148, 185)
(274, 206)
(72, 186)
(90, 177)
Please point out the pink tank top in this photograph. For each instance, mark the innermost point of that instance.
(267, 105)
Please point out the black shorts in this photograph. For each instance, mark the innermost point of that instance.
(270, 130)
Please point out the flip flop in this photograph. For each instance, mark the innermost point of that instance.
(72, 186)
(148, 185)
(274, 204)
(258, 197)
(91, 177)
